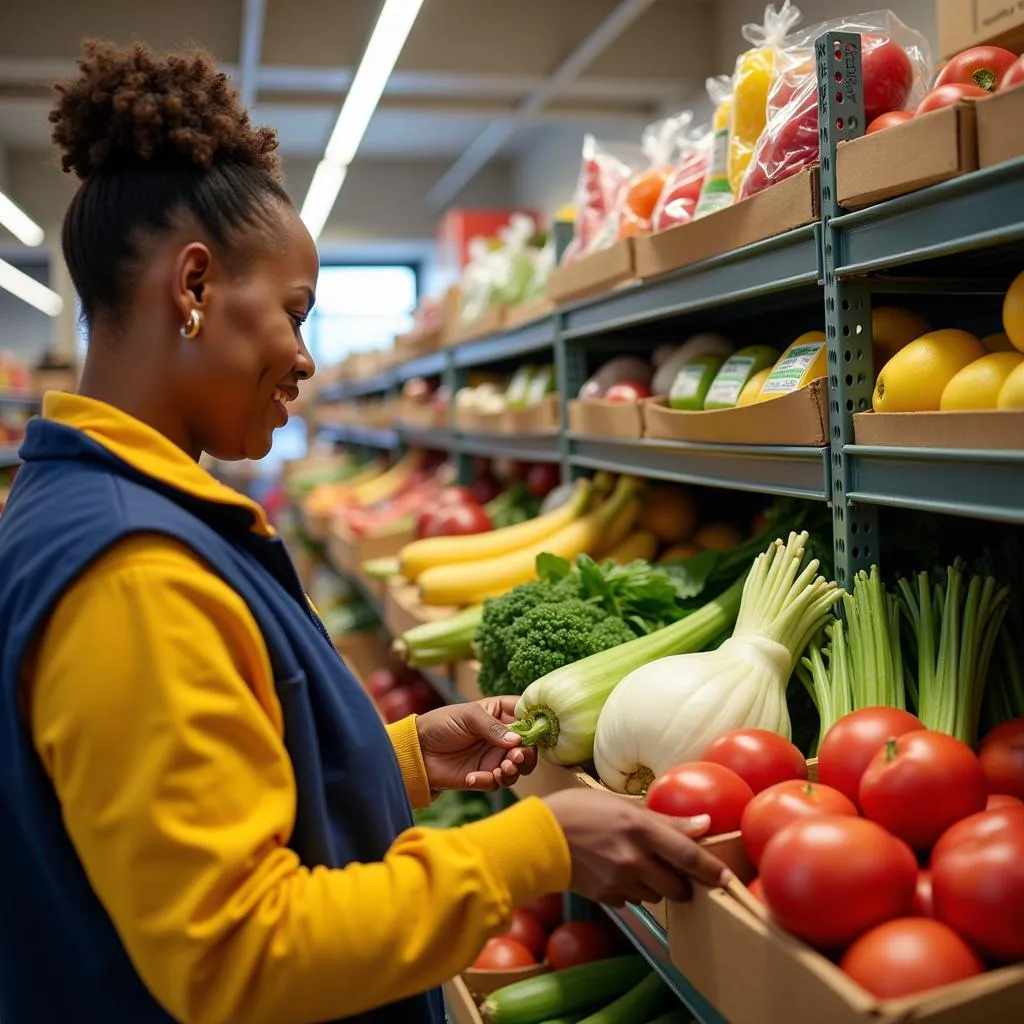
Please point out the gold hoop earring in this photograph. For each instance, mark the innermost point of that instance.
(193, 325)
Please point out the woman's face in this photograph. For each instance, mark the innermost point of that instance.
(243, 369)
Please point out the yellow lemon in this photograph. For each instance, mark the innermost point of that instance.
(978, 384)
(914, 379)
(1011, 394)
(998, 342)
(1013, 312)
(893, 329)
(748, 396)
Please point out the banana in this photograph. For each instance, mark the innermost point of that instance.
(385, 485)
(419, 556)
(472, 582)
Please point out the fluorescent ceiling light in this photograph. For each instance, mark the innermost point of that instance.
(19, 223)
(389, 36)
(323, 191)
(30, 290)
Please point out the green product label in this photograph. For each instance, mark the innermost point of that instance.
(716, 193)
(787, 375)
(688, 381)
(735, 372)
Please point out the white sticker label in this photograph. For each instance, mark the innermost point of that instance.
(735, 372)
(787, 375)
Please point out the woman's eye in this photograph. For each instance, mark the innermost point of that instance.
(297, 321)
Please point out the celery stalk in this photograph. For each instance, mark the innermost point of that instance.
(442, 642)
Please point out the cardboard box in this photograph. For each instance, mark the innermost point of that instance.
(482, 983)
(799, 418)
(529, 312)
(364, 653)
(422, 415)
(754, 973)
(469, 421)
(465, 675)
(964, 23)
(793, 203)
(595, 417)
(490, 323)
(543, 418)
(403, 609)
(348, 551)
(996, 430)
(461, 1007)
(599, 272)
(932, 148)
(1000, 127)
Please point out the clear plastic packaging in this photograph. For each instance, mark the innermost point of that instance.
(605, 173)
(716, 193)
(501, 270)
(752, 81)
(678, 199)
(896, 70)
(661, 141)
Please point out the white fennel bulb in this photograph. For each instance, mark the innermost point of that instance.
(666, 712)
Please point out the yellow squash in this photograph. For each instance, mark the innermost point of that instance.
(471, 582)
(419, 556)
(640, 545)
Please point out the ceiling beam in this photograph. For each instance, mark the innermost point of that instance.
(254, 13)
(494, 137)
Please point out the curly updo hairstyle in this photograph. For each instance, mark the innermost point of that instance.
(156, 142)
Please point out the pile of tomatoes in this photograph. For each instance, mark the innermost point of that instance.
(973, 74)
(398, 692)
(538, 935)
(904, 860)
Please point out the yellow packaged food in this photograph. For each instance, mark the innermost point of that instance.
(752, 81)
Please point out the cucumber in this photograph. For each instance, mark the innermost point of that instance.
(680, 1015)
(539, 999)
(650, 996)
(571, 1018)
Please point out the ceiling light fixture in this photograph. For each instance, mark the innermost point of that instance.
(19, 223)
(389, 35)
(29, 290)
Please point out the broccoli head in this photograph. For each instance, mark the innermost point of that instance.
(610, 632)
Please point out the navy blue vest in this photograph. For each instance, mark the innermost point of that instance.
(60, 957)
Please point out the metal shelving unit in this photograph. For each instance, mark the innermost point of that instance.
(9, 456)
(16, 400)
(350, 389)
(518, 447)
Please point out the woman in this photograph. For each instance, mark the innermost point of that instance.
(202, 817)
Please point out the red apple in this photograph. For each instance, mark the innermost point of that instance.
(628, 391)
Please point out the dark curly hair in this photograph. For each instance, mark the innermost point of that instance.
(155, 141)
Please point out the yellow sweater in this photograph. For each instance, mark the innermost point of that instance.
(151, 703)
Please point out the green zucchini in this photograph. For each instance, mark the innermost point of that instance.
(680, 1015)
(570, 1018)
(576, 988)
(649, 996)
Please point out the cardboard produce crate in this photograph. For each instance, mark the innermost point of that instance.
(482, 983)
(932, 148)
(364, 653)
(964, 23)
(529, 312)
(465, 677)
(994, 430)
(799, 418)
(793, 203)
(469, 421)
(348, 551)
(490, 323)
(404, 611)
(1000, 127)
(597, 417)
(752, 972)
(599, 272)
(461, 1007)
(543, 418)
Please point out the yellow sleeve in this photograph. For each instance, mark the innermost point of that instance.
(151, 705)
(410, 759)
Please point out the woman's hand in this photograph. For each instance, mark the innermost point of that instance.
(467, 746)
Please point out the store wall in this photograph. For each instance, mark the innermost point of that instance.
(24, 331)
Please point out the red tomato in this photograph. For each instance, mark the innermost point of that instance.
(978, 881)
(924, 905)
(999, 800)
(948, 96)
(921, 783)
(1002, 757)
(398, 704)
(503, 954)
(485, 488)
(780, 805)
(854, 740)
(381, 681)
(701, 788)
(579, 942)
(887, 74)
(909, 956)
(547, 909)
(627, 391)
(458, 521)
(1013, 77)
(894, 117)
(983, 66)
(528, 930)
(542, 478)
(755, 889)
(828, 880)
(758, 756)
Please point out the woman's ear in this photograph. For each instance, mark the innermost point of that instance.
(191, 271)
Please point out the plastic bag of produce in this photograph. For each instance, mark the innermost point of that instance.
(661, 142)
(605, 173)
(715, 194)
(478, 283)
(896, 68)
(752, 81)
(682, 189)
